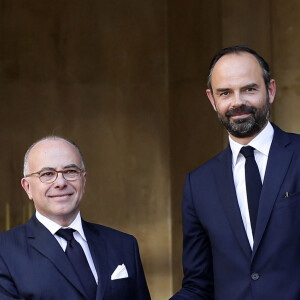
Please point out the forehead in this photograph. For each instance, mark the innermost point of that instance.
(237, 68)
(53, 154)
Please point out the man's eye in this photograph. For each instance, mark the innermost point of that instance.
(71, 172)
(250, 89)
(224, 94)
(47, 174)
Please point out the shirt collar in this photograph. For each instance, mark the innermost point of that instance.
(262, 143)
(53, 227)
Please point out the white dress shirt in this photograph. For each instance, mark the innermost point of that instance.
(262, 144)
(78, 235)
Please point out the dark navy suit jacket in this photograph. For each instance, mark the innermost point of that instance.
(33, 265)
(217, 259)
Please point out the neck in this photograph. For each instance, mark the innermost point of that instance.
(243, 141)
(62, 220)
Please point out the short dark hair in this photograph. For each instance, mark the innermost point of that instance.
(238, 49)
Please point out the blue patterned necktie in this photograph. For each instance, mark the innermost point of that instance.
(253, 184)
(79, 262)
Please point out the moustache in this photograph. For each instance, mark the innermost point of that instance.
(244, 109)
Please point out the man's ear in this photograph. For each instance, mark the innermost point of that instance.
(211, 98)
(26, 186)
(272, 90)
(84, 180)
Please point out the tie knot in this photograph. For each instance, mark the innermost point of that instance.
(66, 234)
(247, 151)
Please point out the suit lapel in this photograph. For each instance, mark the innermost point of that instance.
(277, 166)
(98, 249)
(44, 242)
(227, 195)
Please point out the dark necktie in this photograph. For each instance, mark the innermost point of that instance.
(253, 184)
(79, 261)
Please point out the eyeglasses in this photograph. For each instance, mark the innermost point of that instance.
(50, 175)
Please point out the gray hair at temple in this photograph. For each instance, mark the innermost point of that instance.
(238, 49)
(50, 137)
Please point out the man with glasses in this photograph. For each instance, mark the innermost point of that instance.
(57, 255)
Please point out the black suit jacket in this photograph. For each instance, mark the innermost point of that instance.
(217, 258)
(33, 265)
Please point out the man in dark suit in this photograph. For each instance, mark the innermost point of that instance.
(57, 255)
(238, 246)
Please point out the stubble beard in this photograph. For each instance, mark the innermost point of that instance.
(246, 127)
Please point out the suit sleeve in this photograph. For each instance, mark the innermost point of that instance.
(8, 289)
(142, 292)
(197, 283)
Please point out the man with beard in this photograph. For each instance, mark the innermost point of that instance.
(241, 209)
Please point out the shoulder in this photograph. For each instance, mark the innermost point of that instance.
(286, 138)
(210, 165)
(295, 137)
(107, 233)
(13, 240)
(115, 241)
(13, 233)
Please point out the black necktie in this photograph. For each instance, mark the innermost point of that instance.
(79, 261)
(253, 184)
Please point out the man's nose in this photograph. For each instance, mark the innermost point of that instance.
(60, 180)
(238, 99)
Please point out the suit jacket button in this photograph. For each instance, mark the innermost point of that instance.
(254, 276)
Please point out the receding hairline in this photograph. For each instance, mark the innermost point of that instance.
(234, 54)
(239, 49)
(50, 138)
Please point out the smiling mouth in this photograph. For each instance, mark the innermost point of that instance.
(60, 196)
(241, 116)
(241, 112)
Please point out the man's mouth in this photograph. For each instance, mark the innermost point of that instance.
(241, 115)
(60, 195)
(240, 112)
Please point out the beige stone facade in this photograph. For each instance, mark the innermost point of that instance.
(126, 80)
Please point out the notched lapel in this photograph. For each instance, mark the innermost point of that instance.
(98, 249)
(42, 241)
(278, 163)
(227, 195)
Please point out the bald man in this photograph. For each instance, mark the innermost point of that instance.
(57, 255)
(241, 209)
